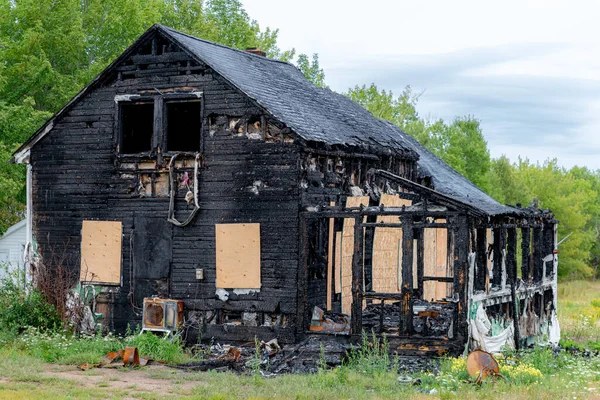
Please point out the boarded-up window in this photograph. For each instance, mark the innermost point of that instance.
(238, 256)
(387, 249)
(435, 261)
(348, 252)
(101, 252)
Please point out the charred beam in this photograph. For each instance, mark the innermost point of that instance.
(357, 277)
(461, 266)
(407, 276)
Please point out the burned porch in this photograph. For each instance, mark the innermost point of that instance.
(428, 271)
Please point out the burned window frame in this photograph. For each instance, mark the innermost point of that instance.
(120, 122)
(168, 100)
(160, 123)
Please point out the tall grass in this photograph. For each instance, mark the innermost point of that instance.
(372, 357)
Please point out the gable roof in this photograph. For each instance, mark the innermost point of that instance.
(315, 114)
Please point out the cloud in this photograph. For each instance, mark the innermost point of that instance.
(523, 113)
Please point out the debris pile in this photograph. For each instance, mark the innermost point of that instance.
(329, 322)
(269, 357)
(433, 319)
(130, 356)
(429, 319)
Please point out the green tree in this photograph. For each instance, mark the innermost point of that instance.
(573, 201)
(311, 69)
(50, 49)
(460, 144)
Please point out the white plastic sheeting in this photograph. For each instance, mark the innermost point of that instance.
(480, 329)
(554, 330)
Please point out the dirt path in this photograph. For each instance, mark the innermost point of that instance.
(154, 379)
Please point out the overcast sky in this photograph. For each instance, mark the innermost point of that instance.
(529, 70)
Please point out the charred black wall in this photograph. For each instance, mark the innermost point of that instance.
(77, 175)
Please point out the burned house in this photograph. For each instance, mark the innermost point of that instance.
(265, 206)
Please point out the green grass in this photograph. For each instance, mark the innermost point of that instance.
(64, 348)
(579, 313)
(369, 372)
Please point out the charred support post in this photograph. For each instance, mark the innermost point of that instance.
(461, 266)
(525, 253)
(481, 270)
(511, 266)
(406, 325)
(538, 256)
(303, 312)
(357, 277)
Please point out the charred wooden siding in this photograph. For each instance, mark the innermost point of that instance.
(78, 175)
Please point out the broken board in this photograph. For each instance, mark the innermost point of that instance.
(330, 257)
(338, 263)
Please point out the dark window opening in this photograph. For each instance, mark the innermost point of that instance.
(183, 126)
(137, 127)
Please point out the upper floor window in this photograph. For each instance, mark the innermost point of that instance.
(171, 122)
(137, 127)
(182, 123)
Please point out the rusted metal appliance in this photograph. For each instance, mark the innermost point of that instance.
(162, 315)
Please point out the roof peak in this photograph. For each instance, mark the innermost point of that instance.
(169, 30)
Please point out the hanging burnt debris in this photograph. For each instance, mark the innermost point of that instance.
(271, 208)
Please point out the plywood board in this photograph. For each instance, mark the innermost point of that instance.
(415, 264)
(387, 249)
(101, 243)
(338, 262)
(441, 261)
(348, 252)
(238, 256)
(429, 262)
(435, 261)
(330, 256)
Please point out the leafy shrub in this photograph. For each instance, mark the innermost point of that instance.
(22, 306)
